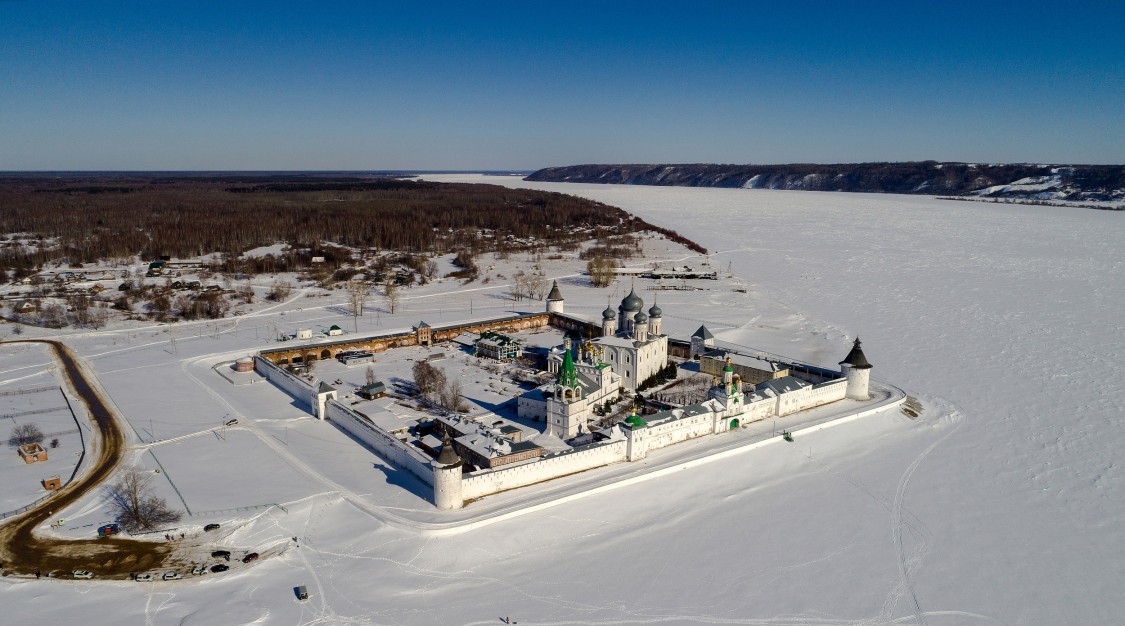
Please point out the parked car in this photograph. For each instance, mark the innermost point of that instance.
(172, 576)
(81, 573)
(144, 578)
(232, 422)
(219, 568)
(253, 556)
(208, 528)
(199, 570)
(221, 554)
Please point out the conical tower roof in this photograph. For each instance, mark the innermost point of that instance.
(448, 456)
(555, 293)
(856, 359)
(703, 333)
(568, 375)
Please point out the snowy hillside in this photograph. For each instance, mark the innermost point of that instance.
(1075, 183)
(1000, 503)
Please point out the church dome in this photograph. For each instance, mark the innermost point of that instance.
(632, 302)
(654, 311)
(640, 317)
(608, 314)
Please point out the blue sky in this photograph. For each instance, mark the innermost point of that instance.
(365, 85)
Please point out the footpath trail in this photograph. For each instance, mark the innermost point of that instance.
(22, 552)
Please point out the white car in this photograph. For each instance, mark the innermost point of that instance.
(172, 576)
(199, 570)
(81, 573)
(144, 578)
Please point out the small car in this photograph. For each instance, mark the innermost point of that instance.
(232, 422)
(253, 556)
(219, 568)
(82, 573)
(172, 576)
(208, 528)
(221, 554)
(199, 570)
(144, 578)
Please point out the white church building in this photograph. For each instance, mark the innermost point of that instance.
(630, 350)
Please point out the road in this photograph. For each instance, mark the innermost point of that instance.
(22, 552)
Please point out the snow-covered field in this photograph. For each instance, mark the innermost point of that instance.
(1001, 503)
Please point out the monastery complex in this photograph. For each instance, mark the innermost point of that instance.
(477, 457)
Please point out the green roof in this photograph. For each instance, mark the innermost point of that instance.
(635, 421)
(568, 375)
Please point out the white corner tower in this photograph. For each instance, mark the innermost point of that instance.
(857, 371)
(447, 477)
(554, 299)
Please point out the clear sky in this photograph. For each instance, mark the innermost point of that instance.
(522, 85)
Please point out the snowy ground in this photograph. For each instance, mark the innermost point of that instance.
(1001, 503)
(30, 394)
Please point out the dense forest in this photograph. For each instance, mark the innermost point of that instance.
(86, 217)
(1020, 180)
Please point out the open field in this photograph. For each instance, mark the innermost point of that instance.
(987, 507)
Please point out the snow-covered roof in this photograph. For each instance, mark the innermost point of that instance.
(785, 384)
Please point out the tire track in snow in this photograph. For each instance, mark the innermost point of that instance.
(907, 566)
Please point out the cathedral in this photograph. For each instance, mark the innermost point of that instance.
(631, 349)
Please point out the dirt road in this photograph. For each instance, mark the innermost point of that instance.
(22, 552)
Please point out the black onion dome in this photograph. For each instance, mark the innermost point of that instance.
(632, 302)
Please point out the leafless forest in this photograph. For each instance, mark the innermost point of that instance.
(78, 218)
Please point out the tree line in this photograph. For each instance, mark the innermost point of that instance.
(82, 219)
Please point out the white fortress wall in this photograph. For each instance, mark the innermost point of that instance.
(675, 431)
(488, 482)
(826, 392)
(812, 396)
(400, 453)
(288, 383)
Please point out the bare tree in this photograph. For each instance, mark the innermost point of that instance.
(161, 304)
(357, 294)
(279, 290)
(519, 286)
(137, 507)
(537, 285)
(24, 434)
(246, 292)
(97, 316)
(80, 305)
(390, 294)
(430, 380)
(52, 315)
(600, 270)
(451, 396)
